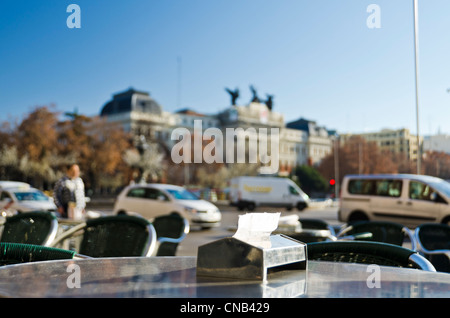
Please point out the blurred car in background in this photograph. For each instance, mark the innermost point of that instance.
(250, 192)
(205, 194)
(13, 184)
(152, 200)
(21, 197)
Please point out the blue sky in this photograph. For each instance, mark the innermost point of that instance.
(318, 58)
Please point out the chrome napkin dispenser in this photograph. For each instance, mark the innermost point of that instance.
(233, 258)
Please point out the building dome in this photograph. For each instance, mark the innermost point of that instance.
(131, 100)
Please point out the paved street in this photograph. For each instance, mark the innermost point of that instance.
(229, 222)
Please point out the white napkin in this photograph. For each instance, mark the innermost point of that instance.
(255, 228)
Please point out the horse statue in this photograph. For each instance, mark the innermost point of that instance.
(234, 95)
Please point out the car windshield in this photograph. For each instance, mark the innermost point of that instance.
(182, 194)
(442, 186)
(30, 196)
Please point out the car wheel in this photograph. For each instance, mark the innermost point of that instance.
(251, 206)
(241, 206)
(446, 220)
(301, 206)
(357, 216)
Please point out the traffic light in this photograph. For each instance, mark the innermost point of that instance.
(332, 182)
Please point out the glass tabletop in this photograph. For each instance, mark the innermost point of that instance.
(168, 277)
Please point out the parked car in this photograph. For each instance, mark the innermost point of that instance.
(404, 198)
(152, 200)
(206, 194)
(21, 197)
(13, 184)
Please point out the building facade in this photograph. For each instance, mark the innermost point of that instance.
(319, 140)
(439, 142)
(139, 114)
(399, 141)
(301, 142)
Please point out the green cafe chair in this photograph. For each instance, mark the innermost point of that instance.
(378, 231)
(433, 242)
(364, 252)
(113, 236)
(17, 253)
(170, 231)
(38, 228)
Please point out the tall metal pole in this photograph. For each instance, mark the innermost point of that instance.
(416, 57)
(336, 167)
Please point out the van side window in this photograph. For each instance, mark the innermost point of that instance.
(389, 188)
(364, 187)
(382, 188)
(292, 190)
(395, 188)
(420, 191)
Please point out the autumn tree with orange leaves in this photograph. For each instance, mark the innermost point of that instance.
(38, 149)
(357, 156)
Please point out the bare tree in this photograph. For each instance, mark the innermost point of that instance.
(9, 162)
(149, 162)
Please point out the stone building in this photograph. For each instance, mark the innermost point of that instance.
(300, 142)
(319, 141)
(399, 141)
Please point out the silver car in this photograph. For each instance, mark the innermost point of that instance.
(24, 199)
(152, 200)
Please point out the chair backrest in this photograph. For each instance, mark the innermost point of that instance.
(367, 253)
(15, 253)
(316, 224)
(118, 236)
(38, 228)
(434, 236)
(386, 232)
(433, 240)
(170, 230)
(307, 237)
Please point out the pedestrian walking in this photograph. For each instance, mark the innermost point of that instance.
(68, 194)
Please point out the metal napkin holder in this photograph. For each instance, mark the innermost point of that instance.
(233, 258)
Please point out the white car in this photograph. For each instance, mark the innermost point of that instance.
(152, 200)
(25, 198)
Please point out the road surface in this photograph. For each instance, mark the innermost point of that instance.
(230, 216)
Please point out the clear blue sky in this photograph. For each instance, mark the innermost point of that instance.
(318, 58)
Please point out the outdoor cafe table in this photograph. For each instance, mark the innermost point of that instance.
(175, 277)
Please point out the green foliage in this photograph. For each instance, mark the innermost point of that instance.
(310, 180)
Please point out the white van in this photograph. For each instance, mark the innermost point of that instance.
(403, 198)
(250, 192)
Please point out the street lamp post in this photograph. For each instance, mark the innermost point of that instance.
(336, 166)
(416, 58)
